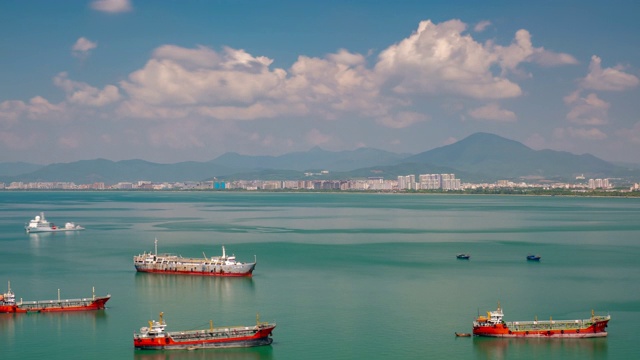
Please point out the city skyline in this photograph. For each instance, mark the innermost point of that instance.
(178, 81)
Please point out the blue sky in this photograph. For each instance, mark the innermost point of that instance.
(170, 81)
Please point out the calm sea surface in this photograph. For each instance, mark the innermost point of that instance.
(344, 276)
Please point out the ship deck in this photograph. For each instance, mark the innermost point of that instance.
(58, 304)
(554, 324)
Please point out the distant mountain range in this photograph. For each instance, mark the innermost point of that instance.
(479, 157)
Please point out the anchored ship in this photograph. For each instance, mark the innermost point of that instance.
(154, 337)
(8, 303)
(40, 224)
(175, 264)
(493, 325)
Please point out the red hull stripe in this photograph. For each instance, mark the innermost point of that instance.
(202, 273)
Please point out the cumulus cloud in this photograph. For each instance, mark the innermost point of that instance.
(235, 85)
(174, 78)
(522, 50)
(441, 58)
(609, 79)
(83, 47)
(83, 94)
(232, 84)
(493, 112)
(38, 108)
(589, 110)
(112, 6)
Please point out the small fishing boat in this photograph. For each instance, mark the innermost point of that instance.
(463, 334)
(533, 257)
(463, 256)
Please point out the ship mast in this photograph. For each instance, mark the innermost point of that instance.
(156, 247)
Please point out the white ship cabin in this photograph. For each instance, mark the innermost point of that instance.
(493, 317)
(155, 329)
(8, 298)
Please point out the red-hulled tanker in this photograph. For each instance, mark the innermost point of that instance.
(8, 304)
(494, 326)
(154, 337)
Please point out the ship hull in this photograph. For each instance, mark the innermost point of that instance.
(56, 306)
(34, 231)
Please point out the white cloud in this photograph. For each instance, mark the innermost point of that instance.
(438, 58)
(83, 94)
(41, 109)
(609, 79)
(112, 6)
(82, 47)
(234, 85)
(482, 26)
(441, 58)
(493, 112)
(589, 110)
(38, 108)
(173, 78)
(522, 50)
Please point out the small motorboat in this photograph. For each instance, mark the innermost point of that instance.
(463, 256)
(462, 334)
(533, 257)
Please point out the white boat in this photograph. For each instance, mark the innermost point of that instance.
(40, 224)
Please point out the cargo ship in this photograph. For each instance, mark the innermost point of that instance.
(8, 303)
(154, 337)
(224, 265)
(40, 224)
(493, 325)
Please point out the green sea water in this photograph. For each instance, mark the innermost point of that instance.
(344, 276)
